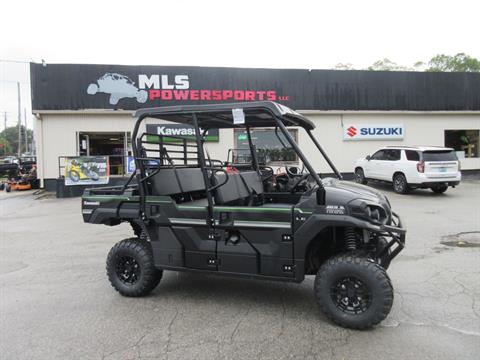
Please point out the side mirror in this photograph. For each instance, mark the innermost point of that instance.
(368, 157)
(321, 196)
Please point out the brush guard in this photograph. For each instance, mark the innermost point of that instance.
(395, 235)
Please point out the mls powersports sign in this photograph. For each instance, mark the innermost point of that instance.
(87, 86)
(352, 132)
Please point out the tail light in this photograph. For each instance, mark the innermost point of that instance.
(459, 166)
(421, 167)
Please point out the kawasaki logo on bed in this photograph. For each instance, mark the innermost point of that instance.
(178, 130)
(352, 132)
(170, 88)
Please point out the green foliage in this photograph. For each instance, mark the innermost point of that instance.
(10, 135)
(387, 65)
(5, 147)
(344, 66)
(457, 63)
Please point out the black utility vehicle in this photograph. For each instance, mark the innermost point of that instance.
(193, 213)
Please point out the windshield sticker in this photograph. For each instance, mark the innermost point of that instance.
(238, 116)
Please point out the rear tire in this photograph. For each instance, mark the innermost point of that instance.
(400, 185)
(8, 188)
(353, 291)
(439, 189)
(360, 176)
(131, 269)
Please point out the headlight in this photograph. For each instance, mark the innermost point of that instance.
(370, 212)
(376, 214)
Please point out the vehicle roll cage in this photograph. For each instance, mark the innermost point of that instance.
(257, 114)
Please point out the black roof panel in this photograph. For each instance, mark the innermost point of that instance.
(257, 114)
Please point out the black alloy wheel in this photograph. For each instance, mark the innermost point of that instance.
(400, 185)
(360, 176)
(128, 270)
(351, 295)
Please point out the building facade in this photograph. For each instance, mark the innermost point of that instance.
(87, 111)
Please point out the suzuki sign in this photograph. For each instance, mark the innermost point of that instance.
(353, 132)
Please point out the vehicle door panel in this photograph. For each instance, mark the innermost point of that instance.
(376, 164)
(261, 232)
(392, 159)
(188, 234)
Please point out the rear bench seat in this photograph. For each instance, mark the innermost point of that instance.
(239, 186)
(165, 182)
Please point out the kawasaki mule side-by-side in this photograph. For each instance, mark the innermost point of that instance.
(243, 218)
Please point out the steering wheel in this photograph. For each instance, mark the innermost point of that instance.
(269, 173)
(299, 181)
(298, 172)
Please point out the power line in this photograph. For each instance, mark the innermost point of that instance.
(15, 61)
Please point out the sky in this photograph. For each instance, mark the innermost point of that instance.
(266, 34)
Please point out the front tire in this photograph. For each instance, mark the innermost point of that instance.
(439, 189)
(400, 185)
(131, 269)
(360, 176)
(353, 291)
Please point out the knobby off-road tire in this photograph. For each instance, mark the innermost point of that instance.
(360, 177)
(131, 269)
(400, 185)
(353, 279)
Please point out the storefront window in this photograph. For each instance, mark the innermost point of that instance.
(272, 147)
(115, 145)
(465, 142)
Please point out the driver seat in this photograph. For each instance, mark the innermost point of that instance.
(239, 188)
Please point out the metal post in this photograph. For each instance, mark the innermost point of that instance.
(299, 152)
(19, 150)
(253, 152)
(201, 160)
(26, 131)
(325, 156)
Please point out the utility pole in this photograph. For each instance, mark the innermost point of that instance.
(19, 152)
(5, 133)
(26, 131)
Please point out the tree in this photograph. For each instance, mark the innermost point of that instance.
(387, 65)
(457, 63)
(344, 66)
(5, 147)
(10, 135)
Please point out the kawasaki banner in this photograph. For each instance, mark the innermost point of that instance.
(179, 130)
(83, 86)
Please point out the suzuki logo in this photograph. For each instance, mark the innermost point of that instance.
(352, 131)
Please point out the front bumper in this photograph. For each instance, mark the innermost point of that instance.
(395, 234)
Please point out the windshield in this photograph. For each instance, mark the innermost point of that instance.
(440, 155)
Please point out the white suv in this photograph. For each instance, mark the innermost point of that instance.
(407, 168)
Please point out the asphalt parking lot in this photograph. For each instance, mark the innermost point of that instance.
(56, 303)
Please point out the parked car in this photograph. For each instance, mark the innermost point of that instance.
(413, 167)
